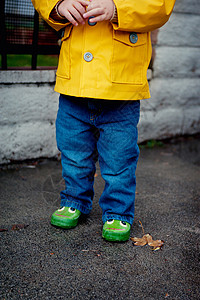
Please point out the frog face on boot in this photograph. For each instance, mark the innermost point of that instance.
(116, 230)
(65, 217)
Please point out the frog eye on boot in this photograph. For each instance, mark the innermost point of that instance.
(61, 208)
(122, 223)
(110, 221)
(71, 210)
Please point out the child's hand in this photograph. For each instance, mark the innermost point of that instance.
(101, 10)
(73, 10)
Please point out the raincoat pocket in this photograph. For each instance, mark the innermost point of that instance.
(128, 57)
(64, 64)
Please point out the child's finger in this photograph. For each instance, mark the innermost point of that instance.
(80, 9)
(93, 12)
(98, 18)
(70, 18)
(75, 13)
(83, 2)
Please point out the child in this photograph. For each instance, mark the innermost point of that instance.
(101, 77)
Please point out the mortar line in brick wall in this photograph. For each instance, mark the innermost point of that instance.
(174, 46)
(185, 13)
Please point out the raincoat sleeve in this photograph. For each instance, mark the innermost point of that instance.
(142, 15)
(44, 8)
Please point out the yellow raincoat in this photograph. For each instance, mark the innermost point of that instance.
(107, 60)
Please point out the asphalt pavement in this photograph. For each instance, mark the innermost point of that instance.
(39, 261)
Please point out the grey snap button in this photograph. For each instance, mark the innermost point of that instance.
(133, 37)
(88, 56)
(91, 23)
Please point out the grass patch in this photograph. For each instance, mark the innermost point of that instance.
(151, 144)
(19, 60)
(47, 60)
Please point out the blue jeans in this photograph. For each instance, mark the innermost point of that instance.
(85, 127)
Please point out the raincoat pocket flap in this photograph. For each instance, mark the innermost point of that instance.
(132, 39)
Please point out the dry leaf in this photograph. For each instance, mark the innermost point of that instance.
(155, 249)
(139, 241)
(18, 226)
(147, 239)
(156, 244)
(3, 229)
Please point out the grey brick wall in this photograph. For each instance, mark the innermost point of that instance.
(174, 108)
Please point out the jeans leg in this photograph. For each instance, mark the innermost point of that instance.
(77, 143)
(118, 156)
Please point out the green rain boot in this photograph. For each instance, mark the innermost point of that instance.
(65, 217)
(116, 231)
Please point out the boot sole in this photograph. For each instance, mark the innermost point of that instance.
(63, 223)
(113, 237)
